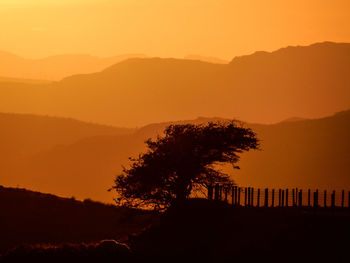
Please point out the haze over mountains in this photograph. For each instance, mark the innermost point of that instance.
(308, 82)
(69, 157)
(27, 81)
(301, 153)
(207, 59)
(29, 134)
(55, 67)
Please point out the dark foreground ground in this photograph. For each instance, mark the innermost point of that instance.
(28, 218)
(204, 230)
(198, 231)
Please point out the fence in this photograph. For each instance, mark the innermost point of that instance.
(256, 197)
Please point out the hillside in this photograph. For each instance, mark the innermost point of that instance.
(206, 59)
(198, 230)
(309, 82)
(25, 81)
(29, 217)
(27, 134)
(301, 153)
(307, 153)
(55, 67)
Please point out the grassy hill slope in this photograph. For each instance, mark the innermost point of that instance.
(29, 217)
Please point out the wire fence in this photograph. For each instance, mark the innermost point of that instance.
(290, 197)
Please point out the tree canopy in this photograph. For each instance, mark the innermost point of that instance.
(181, 161)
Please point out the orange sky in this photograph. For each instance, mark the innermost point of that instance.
(168, 28)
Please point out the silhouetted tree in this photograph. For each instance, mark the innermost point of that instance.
(181, 161)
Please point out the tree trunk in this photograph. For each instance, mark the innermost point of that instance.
(183, 190)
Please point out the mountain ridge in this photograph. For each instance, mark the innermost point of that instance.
(57, 67)
(310, 83)
(28, 134)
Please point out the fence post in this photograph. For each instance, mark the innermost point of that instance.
(233, 195)
(300, 198)
(296, 196)
(258, 198)
(216, 194)
(273, 198)
(236, 195)
(342, 198)
(252, 199)
(226, 192)
(248, 196)
(282, 202)
(333, 199)
(349, 199)
(239, 196)
(325, 199)
(316, 198)
(293, 194)
(279, 197)
(309, 198)
(287, 197)
(266, 197)
(210, 192)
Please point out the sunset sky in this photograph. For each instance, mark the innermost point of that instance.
(172, 28)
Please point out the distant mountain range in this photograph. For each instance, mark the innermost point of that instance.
(309, 82)
(301, 153)
(27, 81)
(213, 60)
(55, 67)
(28, 134)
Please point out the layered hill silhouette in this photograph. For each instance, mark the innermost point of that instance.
(295, 153)
(25, 81)
(22, 136)
(55, 67)
(28, 134)
(206, 59)
(309, 82)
